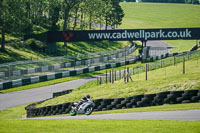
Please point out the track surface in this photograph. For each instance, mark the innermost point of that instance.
(158, 44)
(188, 115)
(14, 99)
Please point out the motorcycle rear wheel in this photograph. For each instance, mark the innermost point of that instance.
(88, 110)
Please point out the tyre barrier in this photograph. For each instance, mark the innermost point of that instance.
(169, 97)
(56, 94)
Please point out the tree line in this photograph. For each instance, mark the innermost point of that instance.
(166, 1)
(20, 17)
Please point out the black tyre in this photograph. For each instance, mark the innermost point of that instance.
(125, 102)
(134, 101)
(107, 101)
(177, 93)
(162, 94)
(119, 106)
(109, 107)
(191, 92)
(179, 99)
(150, 96)
(195, 99)
(88, 110)
(138, 97)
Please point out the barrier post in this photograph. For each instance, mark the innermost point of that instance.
(183, 64)
(146, 71)
(174, 60)
(106, 77)
(110, 76)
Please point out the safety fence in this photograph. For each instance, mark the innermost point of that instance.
(169, 97)
(57, 75)
(30, 68)
(114, 75)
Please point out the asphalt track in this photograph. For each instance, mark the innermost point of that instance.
(8, 100)
(188, 115)
(158, 44)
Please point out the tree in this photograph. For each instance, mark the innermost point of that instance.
(11, 18)
(117, 14)
(68, 6)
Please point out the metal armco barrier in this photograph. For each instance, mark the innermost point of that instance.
(57, 75)
(169, 97)
(10, 72)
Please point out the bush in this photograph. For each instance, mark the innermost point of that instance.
(35, 44)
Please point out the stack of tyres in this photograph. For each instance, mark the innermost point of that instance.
(159, 98)
(117, 103)
(147, 100)
(97, 103)
(190, 96)
(106, 104)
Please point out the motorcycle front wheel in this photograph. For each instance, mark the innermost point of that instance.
(88, 110)
(72, 112)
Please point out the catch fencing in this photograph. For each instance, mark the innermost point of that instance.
(114, 75)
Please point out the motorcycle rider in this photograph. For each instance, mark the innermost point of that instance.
(83, 100)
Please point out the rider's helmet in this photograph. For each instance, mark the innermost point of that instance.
(87, 96)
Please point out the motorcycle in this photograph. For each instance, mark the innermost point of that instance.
(84, 108)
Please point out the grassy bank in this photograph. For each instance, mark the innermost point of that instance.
(16, 52)
(164, 79)
(160, 15)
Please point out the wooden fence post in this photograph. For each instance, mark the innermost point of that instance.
(124, 76)
(183, 64)
(106, 77)
(110, 76)
(120, 75)
(174, 60)
(146, 71)
(127, 78)
(115, 75)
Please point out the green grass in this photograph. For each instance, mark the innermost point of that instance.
(164, 79)
(162, 15)
(13, 113)
(181, 45)
(98, 126)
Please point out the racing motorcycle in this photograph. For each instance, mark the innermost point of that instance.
(84, 108)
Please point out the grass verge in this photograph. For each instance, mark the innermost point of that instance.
(98, 126)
